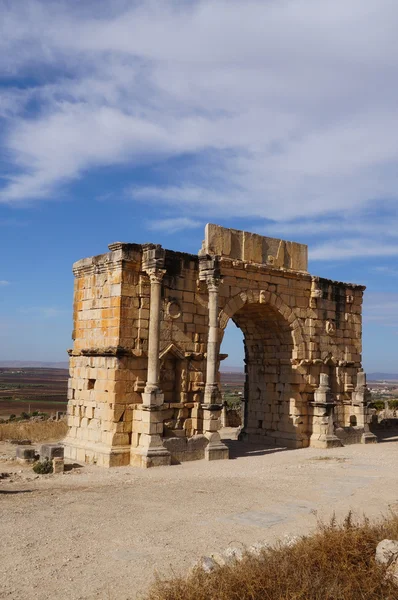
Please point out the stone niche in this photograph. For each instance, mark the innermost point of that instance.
(148, 325)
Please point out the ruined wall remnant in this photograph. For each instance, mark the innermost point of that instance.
(148, 324)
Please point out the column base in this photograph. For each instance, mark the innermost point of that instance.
(152, 397)
(216, 449)
(368, 438)
(212, 395)
(325, 441)
(217, 452)
(150, 457)
(150, 453)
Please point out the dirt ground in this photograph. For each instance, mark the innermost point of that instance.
(92, 533)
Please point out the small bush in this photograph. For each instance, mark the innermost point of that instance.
(12, 417)
(378, 404)
(44, 467)
(25, 416)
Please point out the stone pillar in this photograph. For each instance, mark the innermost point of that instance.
(212, 392)
(224, 416)
(361, 400)
(212, 406)
(152, 395)
(148, 417)
(323, 435)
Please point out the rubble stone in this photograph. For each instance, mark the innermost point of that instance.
(51, 451)
(387, 552)
(25, 454)
(58, 465)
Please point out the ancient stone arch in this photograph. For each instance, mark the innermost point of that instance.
(148, 325)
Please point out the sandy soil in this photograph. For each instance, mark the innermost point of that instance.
(93, 533)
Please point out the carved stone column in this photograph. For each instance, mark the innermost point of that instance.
(152, 395)
(361, 400)
(212, 392)
(212, 406)
(323, 435)
(148, 418)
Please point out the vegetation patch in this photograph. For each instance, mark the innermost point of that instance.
(37, 431)
(336, 562)
(44, 467)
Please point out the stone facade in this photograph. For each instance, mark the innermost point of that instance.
(148, 325)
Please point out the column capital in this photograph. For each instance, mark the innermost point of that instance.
(213, 283)
(155, 275)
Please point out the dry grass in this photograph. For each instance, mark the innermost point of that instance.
(335, 563)
(37, 431)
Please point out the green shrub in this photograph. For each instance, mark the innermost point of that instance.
(378, 404)
(25, 415)
(12, 417)
(43, 467)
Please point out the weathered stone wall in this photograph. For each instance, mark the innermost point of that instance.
(302, 347)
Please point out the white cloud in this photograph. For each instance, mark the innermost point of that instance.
(343, 250)
(381, 308)
(172, 225)
(385, 270)
(4, 282)
(43, 311)
(285, 108)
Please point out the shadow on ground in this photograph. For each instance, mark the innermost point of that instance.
(237, 449)
(388, 433)
(15, 492)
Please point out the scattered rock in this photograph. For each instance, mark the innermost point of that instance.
(219, 558)
(207, 564)
(289, 540)
(387, 552)
(232, 555)
(25, 454)
(257, 548)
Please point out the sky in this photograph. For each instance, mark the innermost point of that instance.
(141, 121)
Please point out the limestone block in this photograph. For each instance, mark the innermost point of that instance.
(25, 454)
(50, 451)
(58, 465)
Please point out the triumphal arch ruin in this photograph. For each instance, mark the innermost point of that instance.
(148, 325)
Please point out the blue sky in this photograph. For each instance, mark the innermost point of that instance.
(142, 121)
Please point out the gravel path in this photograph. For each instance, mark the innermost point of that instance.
(93, 533)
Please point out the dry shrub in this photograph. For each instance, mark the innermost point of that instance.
(37, 431)
(335, 563)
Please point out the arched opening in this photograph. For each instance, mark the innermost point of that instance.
(232, 381)
(274, 392)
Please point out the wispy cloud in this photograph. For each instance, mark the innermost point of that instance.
(381, 308)
(4, 282)
(172, 225)
(385, 270)
(345, 250)
(289, 116)
(43, 311)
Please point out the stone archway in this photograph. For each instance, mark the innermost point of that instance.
(275, 400)
(148, 323)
